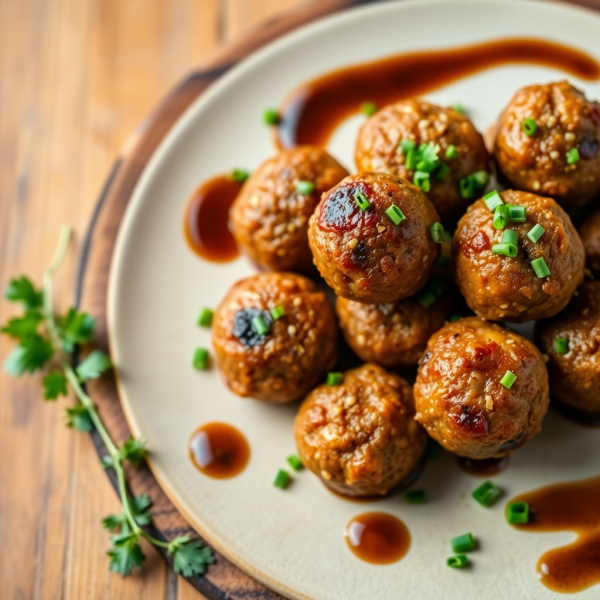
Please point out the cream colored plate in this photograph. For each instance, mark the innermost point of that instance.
(292, 540)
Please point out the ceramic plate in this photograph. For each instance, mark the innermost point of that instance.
(292, 541)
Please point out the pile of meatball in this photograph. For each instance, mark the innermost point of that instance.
(405, 286)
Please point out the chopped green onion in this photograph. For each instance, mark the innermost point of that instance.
(463, 543)
(395, 214)
(510, 236)
(429, 152)
(441, 171)
(459, 108)
(481, 178)
(458, 561)
(467, 187)
(500, 216)
(415, 497)
(505, 250)
(426, 298)
(508, 379)
(361, 200)
(443, 262)
(368, 108)
(277, 312)
(271, 116)
(305, 188)
(412, 157)
(454, 318)
(529, 126)
(437, 233)
(260, 325)
(406, 145)
(201, 359)
(282, 479)
(572, 156)
(335, 378)
(431, 292)
(535, 233)
(426, 166)
(561, 345)
(205, 318)
(487, 493)
(295, 462)
(540, 267)
(517, 214)
(421, 180)
(451, 152)
(239, 175)
(493, 200)
(517, 513)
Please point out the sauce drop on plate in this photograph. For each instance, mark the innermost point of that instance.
(206, 221)
(219, 450)
(377, 537)
(572, 506)
(483, 468)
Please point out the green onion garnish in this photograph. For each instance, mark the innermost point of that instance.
(361, 200)
(561, 345)
(368, 108)
(451, 152)
(437, 233)
(517, 214)
(454, 318)
(295, 462)
(412, 158)
(239, 175)
(572, 156)
(433, 290)
(508, 379)
(510, 236)
(481, 178)
(426, 166)
(415, 497)
(260, 325)
(201, 359)
(282, 479)
(421, 180)
(458, 561)
(426, 298)
(459, 108)
(463, 543)
(441, 171)
(508, 247)
(406, 145)
(487, 493)
(205, 318)
(305, 188)
(529, 126)
(277, 312)
(395, 214)
(466, 187)
(271, 116)
(500, 216)
(517, 513)
(493, 200)
(335, 378)
(535, 233)
(540, 267)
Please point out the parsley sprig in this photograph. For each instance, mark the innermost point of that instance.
(43, 338)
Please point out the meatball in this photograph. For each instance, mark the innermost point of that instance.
(269, 218)
(571, 340)
(548, 142)
(481, 390)
(501, 288)
(382, 252)
(378, 148)
(275, 337)
(590, 236)
(360, 437)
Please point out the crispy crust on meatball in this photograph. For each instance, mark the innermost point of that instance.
(360, 438)
(537, 163)
(460, 400)
(575, 376)
(590, 236)
(362, 254)
(300, 347)
(377, 147)
(269, 218)
(500, 288)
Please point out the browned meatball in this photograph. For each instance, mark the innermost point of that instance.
(567, 125)
(501, 288)
(299, 347)
(379, 139)
(590, 236)
(360, 438)
(269, 218)
(575, 369)
(459, 395)
(362, 253)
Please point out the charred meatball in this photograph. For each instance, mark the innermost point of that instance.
(571, 340)
(458, 149)
(481, 390)
(505, 288)
(270, 216)
(548, 142)
(371, 240)
(590, 236)
(360, 437)
(275, 337)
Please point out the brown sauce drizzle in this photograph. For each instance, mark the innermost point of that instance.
(206, 220)
(219, 450)
(572, 506)
(483, 468)
(377, 537)
(311, 113)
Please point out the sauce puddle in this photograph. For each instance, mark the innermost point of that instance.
(206, 220)
(483, 468)
(378, 538)
(219, 450)
(572, 506)
(311, 113)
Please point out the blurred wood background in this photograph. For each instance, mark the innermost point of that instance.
(76, 77)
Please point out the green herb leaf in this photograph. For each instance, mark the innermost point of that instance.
(79, 418)
(111, 522)
(22, 290)
(22, 327)
(93, 366)
(126, 554)
(76, 328)
(429, 152)
(190, 557)
(134, 451)
(55, 385)
(29, 356)
(139, 507)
